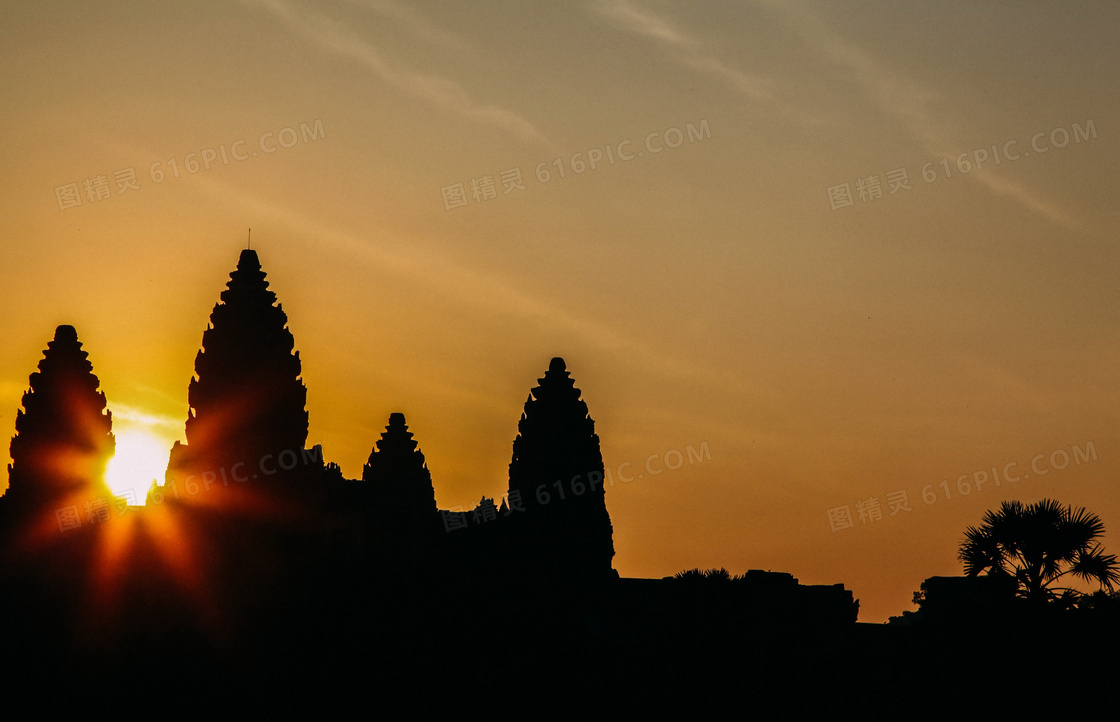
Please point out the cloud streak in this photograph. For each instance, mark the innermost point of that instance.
(901, 98)
(416, 23)
(492, 293)
(443, 93)
(682, 47)
(126, 413)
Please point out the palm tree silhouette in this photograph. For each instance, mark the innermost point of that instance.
(1038, 544)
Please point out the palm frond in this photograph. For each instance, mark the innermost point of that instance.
(1093, 565)
(1036, 544)
(1079, 529)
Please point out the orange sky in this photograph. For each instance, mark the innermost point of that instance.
(697, 280)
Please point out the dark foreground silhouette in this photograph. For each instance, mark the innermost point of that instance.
(258, 576)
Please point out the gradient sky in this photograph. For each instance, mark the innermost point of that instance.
(707, 294)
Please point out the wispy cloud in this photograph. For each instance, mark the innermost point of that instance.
(683, 47)
(493, 294)
(642, 22)
(901, 98)
(443, 93)
(139, 417)
(416, 23)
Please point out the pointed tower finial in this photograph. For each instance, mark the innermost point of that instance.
(249, 243)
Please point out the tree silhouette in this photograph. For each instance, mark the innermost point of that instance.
(706, 575)
(64, 434)
(1037, 545)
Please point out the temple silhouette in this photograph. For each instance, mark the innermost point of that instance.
(246, 434)
(258, 560)
(247, 400)
(64, 436)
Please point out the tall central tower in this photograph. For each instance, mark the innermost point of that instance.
(247, 400)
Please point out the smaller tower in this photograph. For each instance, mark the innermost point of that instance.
(556, 474)
(397, 485)
(400, 476)
(64, 437)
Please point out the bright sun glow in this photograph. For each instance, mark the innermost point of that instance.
(140, 458)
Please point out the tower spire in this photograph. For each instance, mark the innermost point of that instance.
(247, 400)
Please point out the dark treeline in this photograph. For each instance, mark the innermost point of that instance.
(258, 575)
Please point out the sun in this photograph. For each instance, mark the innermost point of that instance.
(141, 457)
